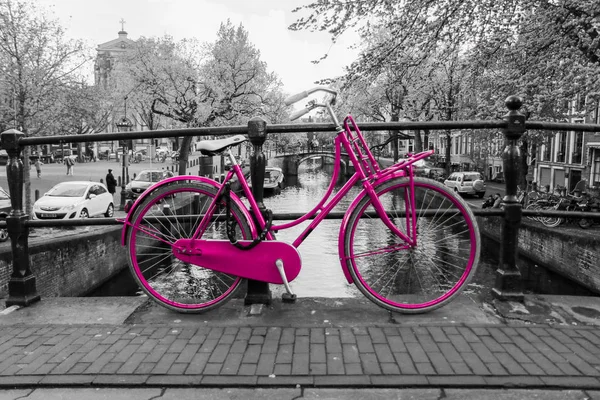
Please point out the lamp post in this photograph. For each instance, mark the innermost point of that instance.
(124, 125)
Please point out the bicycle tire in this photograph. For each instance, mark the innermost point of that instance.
(172, 283)
(422, 278)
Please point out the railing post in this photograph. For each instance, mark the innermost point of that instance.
(508, 286)
(21, 286)
(258, 292)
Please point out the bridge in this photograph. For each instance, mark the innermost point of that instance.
(21, 282)
(290, 162)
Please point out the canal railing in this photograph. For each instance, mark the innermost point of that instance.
(508, 284)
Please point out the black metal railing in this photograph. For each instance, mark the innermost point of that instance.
(508, 286)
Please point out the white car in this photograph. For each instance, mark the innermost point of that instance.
(76, 199)
(466, 183)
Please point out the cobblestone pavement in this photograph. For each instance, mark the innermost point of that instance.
(292, 355)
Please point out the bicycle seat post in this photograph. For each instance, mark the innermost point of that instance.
(258, 292)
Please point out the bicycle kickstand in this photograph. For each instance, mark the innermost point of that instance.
(288, 297)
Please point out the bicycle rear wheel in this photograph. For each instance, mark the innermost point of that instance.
(173, 212)
(415, 279)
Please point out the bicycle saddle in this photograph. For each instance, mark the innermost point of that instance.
(213, 147)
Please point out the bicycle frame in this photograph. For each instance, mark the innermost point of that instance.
(326, 204)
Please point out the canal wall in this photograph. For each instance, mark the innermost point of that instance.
(568, 251)
(69, 263)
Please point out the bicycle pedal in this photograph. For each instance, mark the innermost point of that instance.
(288, 298)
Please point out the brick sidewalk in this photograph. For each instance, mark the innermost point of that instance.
(449, 355)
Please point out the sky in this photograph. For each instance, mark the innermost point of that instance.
(287, 53)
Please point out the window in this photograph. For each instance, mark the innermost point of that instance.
(596, 168)
(561, 138)
(577, 148)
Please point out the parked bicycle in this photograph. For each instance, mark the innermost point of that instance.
(406, 242)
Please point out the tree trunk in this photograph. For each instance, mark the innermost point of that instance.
(184, 150)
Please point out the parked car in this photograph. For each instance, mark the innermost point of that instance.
(499, 177)
(428, 169)
(144, 180)
(75, 199)
(470, 182)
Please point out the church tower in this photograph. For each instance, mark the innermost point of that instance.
(108, 54)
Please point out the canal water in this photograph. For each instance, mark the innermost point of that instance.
(321, 274)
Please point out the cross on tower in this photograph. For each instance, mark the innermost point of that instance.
(122, 21)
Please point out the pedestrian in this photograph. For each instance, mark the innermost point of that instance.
(497, 200)
(111, 182)
(38, 168)
(69, 163)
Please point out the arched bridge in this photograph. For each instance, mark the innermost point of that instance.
(289, 163)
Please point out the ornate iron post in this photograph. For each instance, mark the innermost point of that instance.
(21, 286)
(123, 126)
(258, 292)
(508, 284)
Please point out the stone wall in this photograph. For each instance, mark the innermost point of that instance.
(567, 250)
(71, 263)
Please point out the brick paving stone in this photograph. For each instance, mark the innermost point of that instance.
(156, 353)
(461, 368)
(215, 333)
(480, 331)
(282, 369)
(148, 345)
(219, 354)
(405, 363)
(510, 364)
(528, 335)
(560, 335)
(300, 364)
(252, 354)
(284, 354)
(34, 363)
(396, 344)
(581, 364)
(288, 336)
(383, 352)
(110, 368)
(555, 344)
(364, 344)
(353, 369)
(333, 343)
(515, 352)
(350, 353)
(227, 339)
(335, 364)
(568, 369)
(209, 345)
(177, 345)
(475, 363)
(514, 381)
(99, 363)
(212, 369)
(187, 353)
(177, 369)
(274, 333)
(318, 368)
(197, 364)
(427, 342)
(165, 362)
(582, 343)
(496, 369)
(417, 353)
(532, 369)
(468, 334)
(545, 364)
(438, 335)
(67, 364)
(317, 335)
(492, 345)
(346, 336)
(377, 335)
(317, 353)
(460, 343)
(407, 335)
(266, 363)
(198, 338)
(425, 368)
(247, 369)
(342, 381)
(449, 352)
(239, 346)
(144, 368)
(232, 364)
(456, 381)
(499, 336)
(270, 346)
(390, 369)
(450, 330)
(132, 363)
(548, 352)
(571, 381)
(440, 363)
(360, 330)
(302, 344)
(483, 353)
(589, 335)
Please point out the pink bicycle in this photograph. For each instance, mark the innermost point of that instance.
(409, 244)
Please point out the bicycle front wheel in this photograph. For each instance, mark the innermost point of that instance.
(405, 278)
(174, 212)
